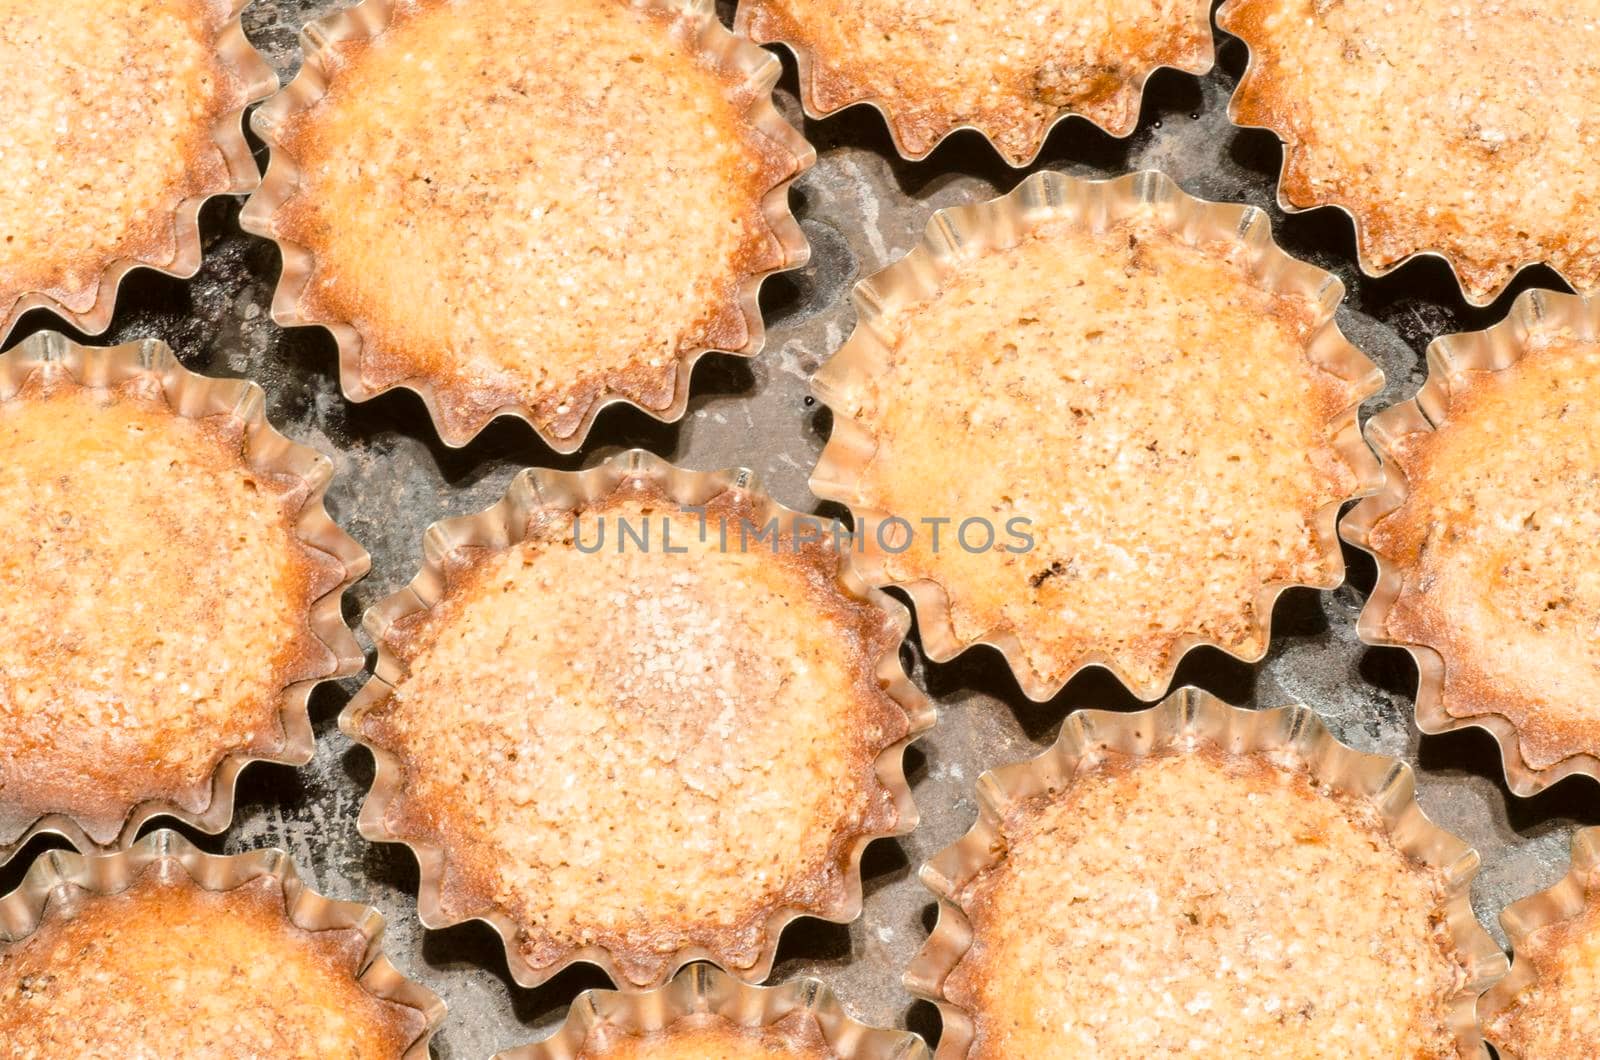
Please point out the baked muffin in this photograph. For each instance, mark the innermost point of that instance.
(172, 591)
(1110, 428)
(164, 966)
(121, 119)
(705, 1014)
(1009, 68)
(1145, 889)
(1463, 129)
(1485, 535)
(1546, 1006)
(615, 226)
(636, 754)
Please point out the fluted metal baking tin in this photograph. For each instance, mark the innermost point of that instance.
(704, 989)
(59, 877)
(1184, 719)
(369, 18)
(1450, 357)
(196, 396)
(956, 234)
(506, 523)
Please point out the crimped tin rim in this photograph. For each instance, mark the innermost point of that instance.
(282, 183)
(56, 871)
(1495, 348)
(1186, 717)
(706, 989)
(257, 81)
(192, 396)
(1044, 197)
(505, 523)
(1363, 260)
(808, 68)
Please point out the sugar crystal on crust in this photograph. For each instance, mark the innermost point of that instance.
(641, 750)
(1466, 127)
(1151, 414)
(604, 230)
(1008, 67)
(156, 601)
(1495, 544)
(1204, 903)
(107, 130)
(166, 968)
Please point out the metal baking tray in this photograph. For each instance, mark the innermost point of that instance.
(861, 207)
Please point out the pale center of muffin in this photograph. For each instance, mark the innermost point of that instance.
(109, 109)
(1558, 1013)
(168, 969)
(1195, 905)
(1146, 407)
(522, 195)
(1464, 127)
(707, 1038)
(1501, 525)
(152, 596)
(641, 748)
(1007, 65)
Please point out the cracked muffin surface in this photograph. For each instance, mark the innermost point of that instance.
(1464, 128)
(1009, 67)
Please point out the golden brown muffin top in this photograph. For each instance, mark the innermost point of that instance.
(108, 129)
(1150, 412)
(643, 751)
(1204, 903)
(1008, 67)
(166, 968)
(1461, 126)
(1554, 1015)
(712, 1038)
(156, 603)
(1495, 545)
(603, 232)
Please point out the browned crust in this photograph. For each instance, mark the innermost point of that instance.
(965, 985)
(259, 885)
(831, 891)
(373, 358)
(168, 241)
(1192, 721)
(853, 376)
(1540, 957)
(1469, 689)
(152, 905)
(829, 83)
(1536, 750)
(1385, 240)
(468, 885)
(60, 778)
(62, 797)
(1540, 928)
